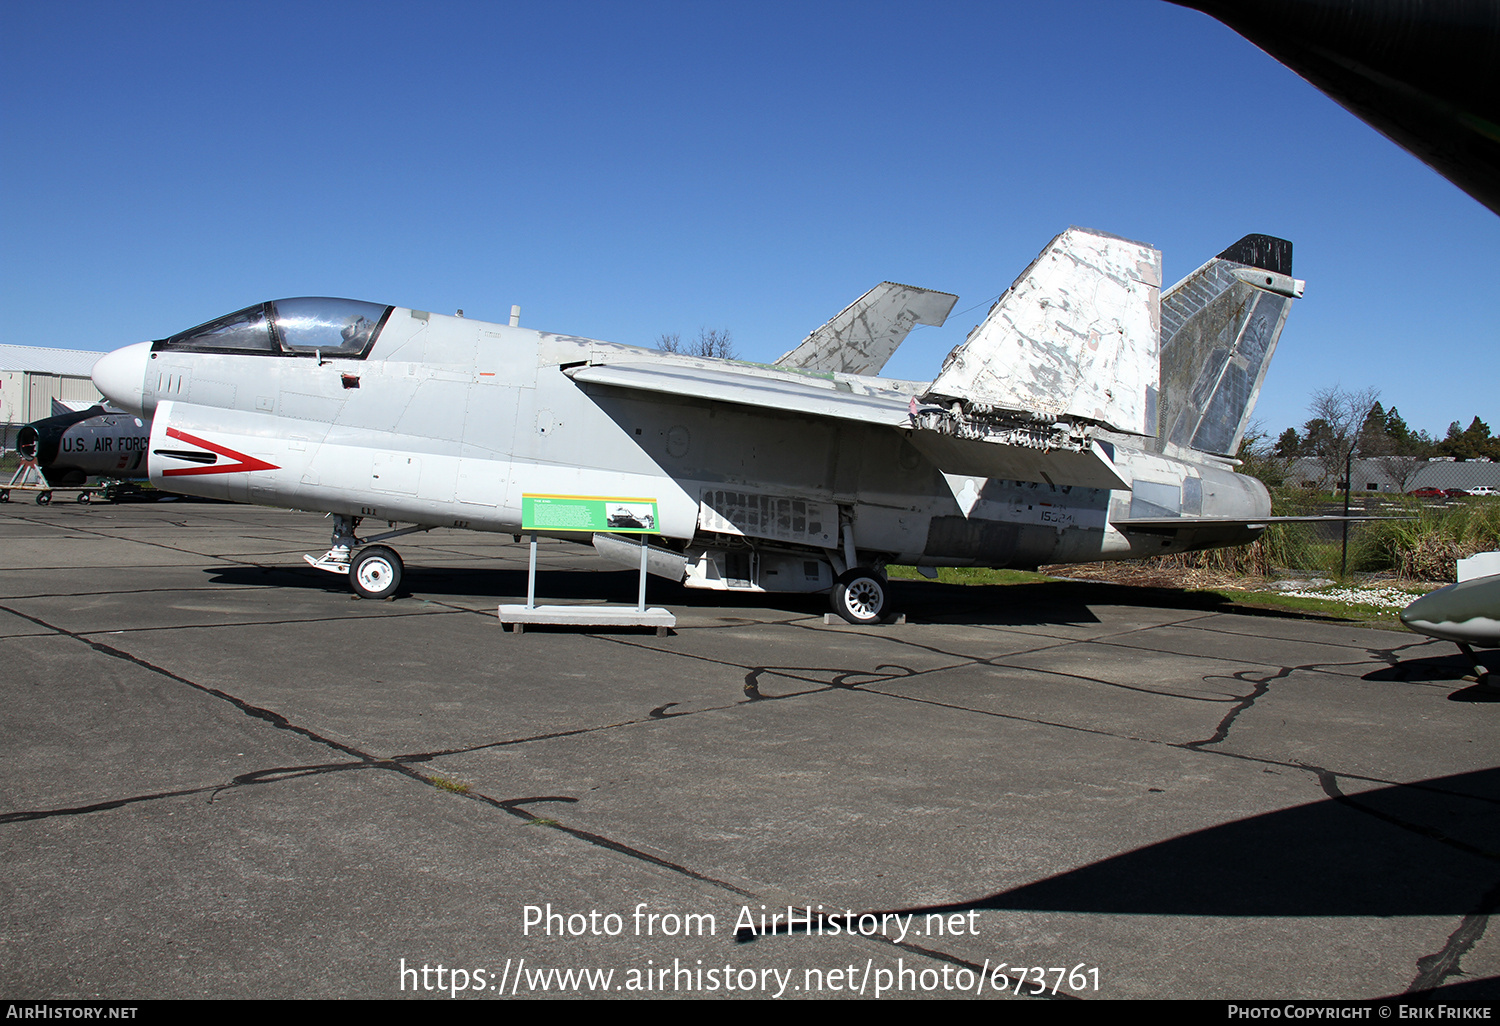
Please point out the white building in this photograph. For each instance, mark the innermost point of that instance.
(31, 377)
(1374, 475)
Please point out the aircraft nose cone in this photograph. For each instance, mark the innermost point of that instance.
(121, 376)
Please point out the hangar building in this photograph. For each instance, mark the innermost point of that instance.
(31, 377)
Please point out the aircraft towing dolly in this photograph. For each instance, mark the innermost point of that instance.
(28, 480)
(44, 494)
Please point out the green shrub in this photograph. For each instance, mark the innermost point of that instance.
(1425, 548)
(1429, 546)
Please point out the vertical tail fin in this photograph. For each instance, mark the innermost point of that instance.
(1219, 327)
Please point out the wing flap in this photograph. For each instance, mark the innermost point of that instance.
(1090, 468)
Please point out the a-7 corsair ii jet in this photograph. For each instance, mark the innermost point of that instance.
(1088, 417)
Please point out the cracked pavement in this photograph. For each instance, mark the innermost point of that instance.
(224, 776)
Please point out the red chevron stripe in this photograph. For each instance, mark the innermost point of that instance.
(243, 465)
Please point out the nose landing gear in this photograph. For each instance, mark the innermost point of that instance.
(375, 572)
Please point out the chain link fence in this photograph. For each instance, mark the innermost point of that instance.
(1423, 547)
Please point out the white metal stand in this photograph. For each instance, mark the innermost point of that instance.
(586, 616)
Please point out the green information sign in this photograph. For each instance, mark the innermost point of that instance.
(611, 513)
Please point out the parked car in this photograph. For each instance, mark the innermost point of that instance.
(1455, 493)
(1427, 493)
(1484, 490)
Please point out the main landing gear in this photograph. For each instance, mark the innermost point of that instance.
(861, 595)
(375, 572)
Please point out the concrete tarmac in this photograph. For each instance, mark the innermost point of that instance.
(227, 777)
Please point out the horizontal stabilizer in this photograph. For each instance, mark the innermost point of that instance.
(1075, 337)
(1164, 523)
(864, 335)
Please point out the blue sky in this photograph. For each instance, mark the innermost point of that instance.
(621, 170)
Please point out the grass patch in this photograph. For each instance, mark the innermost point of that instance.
(539, 821)
(1359, 612)
(454, 786)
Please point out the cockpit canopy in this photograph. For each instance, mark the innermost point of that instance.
(309, 326)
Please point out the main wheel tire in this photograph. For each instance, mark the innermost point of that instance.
(43, 498)
(4, 494)
(84, 498)
(860, 596)
(375, 573)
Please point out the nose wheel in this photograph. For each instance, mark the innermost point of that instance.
(376, 572)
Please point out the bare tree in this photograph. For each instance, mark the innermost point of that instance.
(1397, 454)
(1342, 415)
(716, 343)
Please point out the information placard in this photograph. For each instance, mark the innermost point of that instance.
(616, 514)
